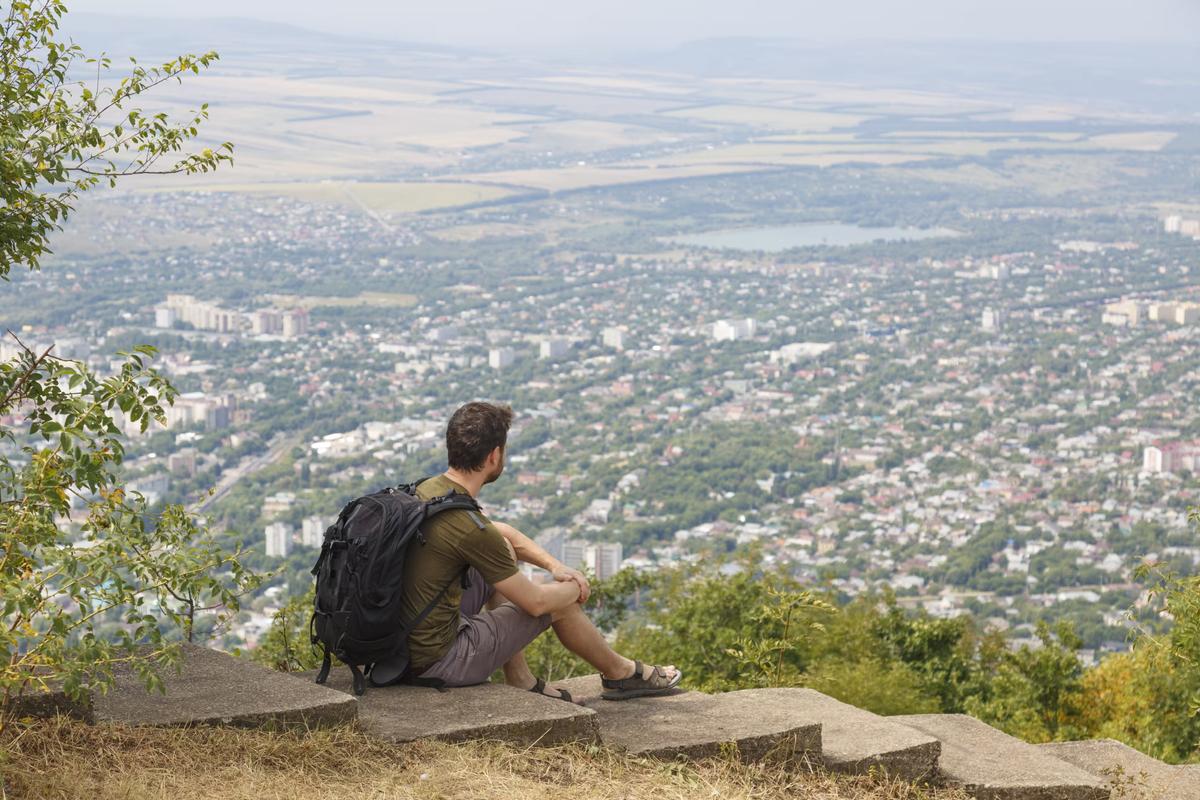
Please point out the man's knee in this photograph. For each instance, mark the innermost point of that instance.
(566, 613)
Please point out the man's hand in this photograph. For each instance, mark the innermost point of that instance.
(567, 574)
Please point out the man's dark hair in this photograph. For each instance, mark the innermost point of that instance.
(475, 430)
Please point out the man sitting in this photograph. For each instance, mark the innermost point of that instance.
(472, 632)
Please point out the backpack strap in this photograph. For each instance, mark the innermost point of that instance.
(326, 663)
(360, 680)
(412, 626)
(450, 501)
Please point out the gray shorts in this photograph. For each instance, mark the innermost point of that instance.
(486, 638)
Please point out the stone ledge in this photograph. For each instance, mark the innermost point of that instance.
(490, 711)
(692, 725)
(852, 740)
(1110, 761)
(991, 765)
(214, 688)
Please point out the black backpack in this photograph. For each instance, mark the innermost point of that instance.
(360, 576)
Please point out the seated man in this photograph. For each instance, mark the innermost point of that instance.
(471, 633)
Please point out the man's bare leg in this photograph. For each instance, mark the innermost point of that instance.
(576, 633)
(581, 637)
(516, 669)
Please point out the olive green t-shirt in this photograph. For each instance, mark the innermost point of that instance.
(453, 540)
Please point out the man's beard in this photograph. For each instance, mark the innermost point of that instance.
(493, 476)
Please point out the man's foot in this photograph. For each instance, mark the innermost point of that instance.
(642, 681)
(540, 687)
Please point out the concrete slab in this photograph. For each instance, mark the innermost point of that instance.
(1133, 774)
(854, 740)
(51, 702)
(215, 688)
(991, 765)
(489, 711)
(693, 725)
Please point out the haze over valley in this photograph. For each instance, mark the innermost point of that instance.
(908, 316)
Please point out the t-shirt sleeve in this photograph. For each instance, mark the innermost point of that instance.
(485, 548)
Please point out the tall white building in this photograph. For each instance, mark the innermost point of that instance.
(279, 540)
(312, 531)
(1172, 223)
(1161, 312)
(165, 317)
(615, 338)
(727, 330)
(1126, 312)
(501, 357)
(993, 319)
(574, 553)
(554, 347)
(604, 559)
(295, 323)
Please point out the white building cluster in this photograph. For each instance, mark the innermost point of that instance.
(602, 559)
(1181, 226)
(732, 330)
(1172, 457)
(384, 440)
(213, 412)
(204, 316)
(1130, 313)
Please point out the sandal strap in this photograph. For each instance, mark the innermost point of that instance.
(618, 683)
(539, 686)
(655, 680)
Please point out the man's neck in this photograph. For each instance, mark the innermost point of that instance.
(471, 481)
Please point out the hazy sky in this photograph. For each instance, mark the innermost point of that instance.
(664, 23)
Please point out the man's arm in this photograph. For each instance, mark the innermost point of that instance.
(536, 599)
(526, 549)
(530, 552)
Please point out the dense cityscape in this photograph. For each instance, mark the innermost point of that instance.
(984, 430)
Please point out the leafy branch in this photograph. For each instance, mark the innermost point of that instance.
(60, 136)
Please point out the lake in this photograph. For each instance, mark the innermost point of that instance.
(810, 234)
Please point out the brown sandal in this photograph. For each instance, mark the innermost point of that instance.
(540, 688)
(637, 686)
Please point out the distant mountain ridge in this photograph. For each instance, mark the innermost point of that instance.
(1160, 77)
(165, 36)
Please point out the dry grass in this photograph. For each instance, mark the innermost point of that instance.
(65, 759)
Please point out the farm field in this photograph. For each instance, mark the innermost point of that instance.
(374, 299)
(398, 145)
(384, 197)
